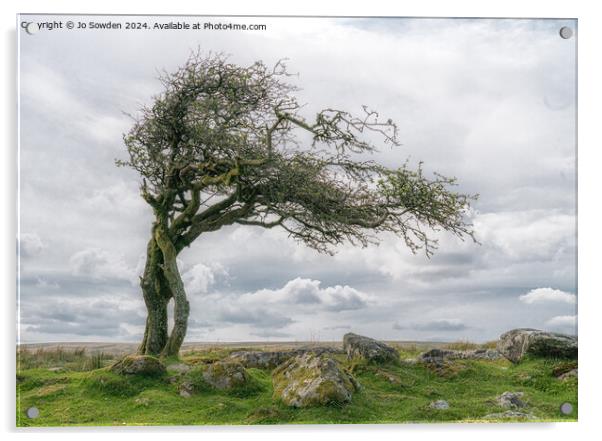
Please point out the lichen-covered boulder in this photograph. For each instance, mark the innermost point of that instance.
(271, 359)
(518, 343)
(144, 365)
(440, 355)
(220, 375)
(312, 380)
(369, 349)
(260, 359)
(225, 375)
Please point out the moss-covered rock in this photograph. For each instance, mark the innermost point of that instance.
(271, 359)
(373, 351)
(435, 355)
(312, 380)
(221, 375)
(261, 359)
(144, 365)
(518, 343)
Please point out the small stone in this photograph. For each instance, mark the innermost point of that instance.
(184, 393)
(56, 369)
(570, 374)
(509, 414)
(391, 378)
(142, 401)
(511, 400)
(439, 404)
(180, 368)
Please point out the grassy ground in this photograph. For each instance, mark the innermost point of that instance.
(83, 392)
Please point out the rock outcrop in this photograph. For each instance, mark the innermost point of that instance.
(369, 349)
(312, 380)
(518, 343)
(144, 365)
(220, 375)
(260, 359)
(271, 359)
(224, 375)
(439, 355)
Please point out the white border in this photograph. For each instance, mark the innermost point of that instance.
(590, 290)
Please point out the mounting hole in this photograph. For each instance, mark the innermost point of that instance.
(566, 32)
(566, 408)
(32, 28)
(32, 412)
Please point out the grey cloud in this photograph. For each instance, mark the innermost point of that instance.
(30, 245)
(270, 333)
(503, 125)
(98, 263)
(257, 318)
(448, 325)
(345, 300)
(564, 323)
(102, 318)
(200, 324)
(334, 328)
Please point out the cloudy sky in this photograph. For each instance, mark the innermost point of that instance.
(491, 102)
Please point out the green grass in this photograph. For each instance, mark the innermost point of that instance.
(77, 359)
(391, 394)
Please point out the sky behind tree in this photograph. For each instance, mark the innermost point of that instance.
(491, 102)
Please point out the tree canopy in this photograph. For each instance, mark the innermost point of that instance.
(223, 144)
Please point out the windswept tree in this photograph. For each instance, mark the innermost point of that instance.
(225, 144)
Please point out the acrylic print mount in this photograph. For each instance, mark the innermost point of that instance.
(274, 220)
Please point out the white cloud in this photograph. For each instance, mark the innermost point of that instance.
(200, 277)
(547, 295)
(307, 292)
(122, 197)
(100, 264)
(527, 235)
(563, 323)
(31, 245)
(44, 284)
(257, 317)
(491, 102)
(449, 325)
(47, 88)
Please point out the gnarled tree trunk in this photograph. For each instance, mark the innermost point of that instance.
(160, 283)
(176, 287)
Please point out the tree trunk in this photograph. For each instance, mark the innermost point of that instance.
(156, 297)
(176, 286)
(161, 282)
(155, 334)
